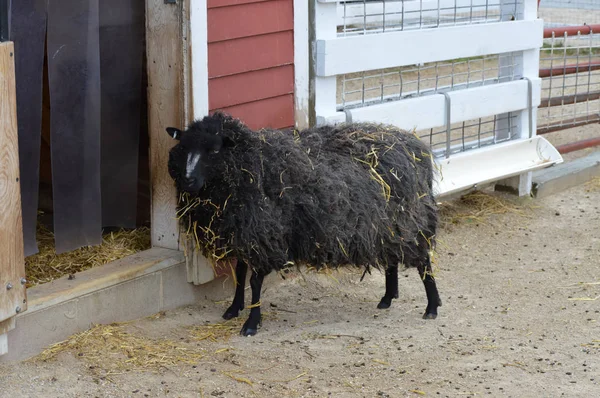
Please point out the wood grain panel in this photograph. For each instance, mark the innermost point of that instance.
(251, 19)
(275, 112)
(164, 52)
(12, 262)
(250, 86)
(250, 53)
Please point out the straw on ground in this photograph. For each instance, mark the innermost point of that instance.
(46, 265)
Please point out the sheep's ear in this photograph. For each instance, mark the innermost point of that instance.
(214, 124)
(216, 144)
(174, 133)
(227, 142)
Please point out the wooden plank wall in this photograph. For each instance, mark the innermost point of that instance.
(251, 60)
(12, 262)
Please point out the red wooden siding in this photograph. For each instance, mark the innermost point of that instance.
(250, 60)
(224, 3)
(250, 53)
(247, 87)
(274, 112)
(253, 19)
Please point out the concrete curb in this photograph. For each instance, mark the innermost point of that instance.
(566, 175)
(134, 287)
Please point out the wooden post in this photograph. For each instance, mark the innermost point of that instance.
(177, 93)
(167, 106)
(12, 262)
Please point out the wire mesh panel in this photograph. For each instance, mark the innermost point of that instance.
(378, 86)
(463, 73)
(374, 87)
(376, 16)
(475, 52)
(471, 134)
(570, 68)
(361, 17)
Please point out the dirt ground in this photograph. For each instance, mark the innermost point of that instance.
(519, 319)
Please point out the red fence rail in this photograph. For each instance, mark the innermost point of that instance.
(570, 69)
(579, 145)
(571, 30)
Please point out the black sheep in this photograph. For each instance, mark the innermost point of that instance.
(353, 194)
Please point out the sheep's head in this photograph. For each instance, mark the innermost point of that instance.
(189, 158)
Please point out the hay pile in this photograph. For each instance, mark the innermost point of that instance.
(116, 348)
(479, 206)
(355, 194)
(112, 349)
(46, 265)
(593, 185)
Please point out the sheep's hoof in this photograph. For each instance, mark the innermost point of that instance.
(429, 315)
(248, 331)
(250, 327)
(384, 304)
(231, 313)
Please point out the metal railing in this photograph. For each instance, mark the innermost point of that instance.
(570, 72)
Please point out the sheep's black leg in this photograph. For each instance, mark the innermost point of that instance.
(391, 287)
(238, 300)
(433, 297)
(250, 328)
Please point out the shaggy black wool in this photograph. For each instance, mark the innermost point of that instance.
(355, 194)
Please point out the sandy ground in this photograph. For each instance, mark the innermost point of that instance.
(517, 321)
(513, 325)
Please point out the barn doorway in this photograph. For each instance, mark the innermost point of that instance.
(83, 133)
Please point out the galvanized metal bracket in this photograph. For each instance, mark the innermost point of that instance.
(529, 104)
(448, 104)
(348, 113)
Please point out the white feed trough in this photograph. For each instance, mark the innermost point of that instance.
(467, 170)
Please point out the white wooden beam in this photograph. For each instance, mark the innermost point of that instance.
(301, 64)
(325, 86)
(340, 55)
(507, 69)
(526, 124)
(429, 111)
(199, 57)
(198, 268)
(3, 343)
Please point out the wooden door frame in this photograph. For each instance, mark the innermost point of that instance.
(13, 295)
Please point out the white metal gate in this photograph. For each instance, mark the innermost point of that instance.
(462, 73)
